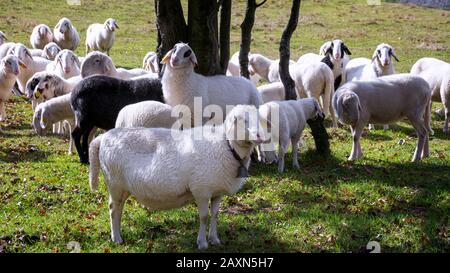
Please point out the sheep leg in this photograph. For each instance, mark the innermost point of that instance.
(76, 136)
(116, 204)
(2, 111)
(333, 117)
(426, 147)
(356, 148)
(215, 205)
(85, 143)
(447, 119)
(386, 127)
(282, 148)
(202, 205)
(417, 123)
(371, 126)
(294, 142)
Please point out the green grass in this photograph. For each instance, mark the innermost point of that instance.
(328, 205)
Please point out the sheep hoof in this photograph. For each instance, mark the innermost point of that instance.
(214, 241)
(202, 245)
(296, 166)
(117, 240)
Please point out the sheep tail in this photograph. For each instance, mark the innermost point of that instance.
(94, 162)
(427, 118)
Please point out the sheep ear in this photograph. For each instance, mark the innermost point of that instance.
(43, 120)
(346, 50)
(77, 61)
(115, 24)
(22, 64)
(393, 55)
(58, 25)
(28, 53)
(166, 58)
(193, 59)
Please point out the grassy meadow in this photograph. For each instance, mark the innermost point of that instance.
(329, 205)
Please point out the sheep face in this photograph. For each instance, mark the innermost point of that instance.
(336, 48)
(67, 61)
(51, 50)
(43, 30)
(22, 52)
(383, 54)
(32, 84)
(10, 64)
(256, 66)
(63, 25)
(180, 56)
(243, 125)
(46, 86)
(97, 63)
(111, 24)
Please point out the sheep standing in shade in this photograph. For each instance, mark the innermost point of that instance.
(41, 36)
(265, 67)
(234, 69)
(365, 69)
(66, 35)
(383, 100)
(101, 37)
(181, 84)
(166, 169)
(9, 70)
(437, 74)
(3, 38)
(292, 117)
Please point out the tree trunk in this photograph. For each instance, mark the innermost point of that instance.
(285, 54)
(246, 35)
(225, 23)
(171, 25)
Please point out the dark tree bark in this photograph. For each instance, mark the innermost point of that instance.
(224, 39)
(246, 35)
(171, 25)
(285, 54)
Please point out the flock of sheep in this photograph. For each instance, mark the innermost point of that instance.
(142, 155)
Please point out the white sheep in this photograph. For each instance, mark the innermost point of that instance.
(366, 69)
(3, 38)
(101, 37)
(65, 65)
(149, 114)
(266, 68)
(272, 92)
(181, 84)
(150, 62)
(9, 70)
(166, 169)
(234, 69)
(292, 116)
(66, 35)
(51, 85)
(437, 74)
(384, 100)
(99, 63)
(5, 48)
(50, 51)
(41, 35)
(54, 111)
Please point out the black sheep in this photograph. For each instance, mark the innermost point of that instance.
(97, 101)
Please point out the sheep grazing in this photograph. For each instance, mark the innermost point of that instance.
(234, 69)
(65, 65)
(366, 69)
(181, 84)
(384, 100)
(148, 164)
(292, 117)
(315, 80)
(149, 114)
(437, 74)
(101, 37)
(41, 36)
(265, 67)
(53, 111)
(50, 51)
(3, 38)
(97, 101)
(66, 35)
(9, 70)
(272, 92)
(34, 64)
(97, 63)
(150, 62)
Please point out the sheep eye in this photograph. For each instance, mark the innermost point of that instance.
(187, 54)
(379, 52)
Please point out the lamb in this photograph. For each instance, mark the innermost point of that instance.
(149, 114)
(359, 102)
(265, 67)
(334, 54)
(34, 64)
(101, 37)
(150, 62)
(65, 65)
(181, 84)
(272, 92)
(101, 64)
(53, 111)
(50, 51)
(97, 101)
(3, 38)
(437, 74)
(166, 169)
(365, 69)
(9, 70)
(41, 36)
(66, 35)
(292, 117)
(315, 80)
(234, 69)
(47, 85)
